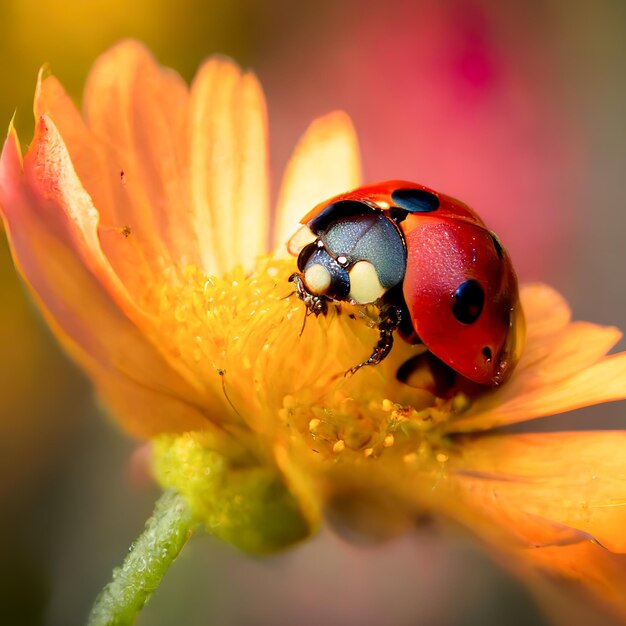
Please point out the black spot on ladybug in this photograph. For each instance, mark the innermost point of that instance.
(487, 353)
(497, 245)
(469, 299)
(415, 200)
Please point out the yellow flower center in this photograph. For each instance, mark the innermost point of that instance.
(367, 447)
(246, 339)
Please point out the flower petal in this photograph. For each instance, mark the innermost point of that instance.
(229, 166)
(96, 166)
(563, 367)
(52, 100)
(588, 567)
(545, 309)
(325, 162)
(138, 112)
(52, 224)
(541, 485)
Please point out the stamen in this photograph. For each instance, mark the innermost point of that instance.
(280, 374)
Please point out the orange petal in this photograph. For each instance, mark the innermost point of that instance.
(545, 309)
(51, 225)
(154, 402)
(588, 568)
(229, 166)
(138, 112)
(52, 100)
(563, 367)
(325, 162)
(545, 487)
(96, 166)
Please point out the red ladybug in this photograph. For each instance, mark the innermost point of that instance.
(438, 275)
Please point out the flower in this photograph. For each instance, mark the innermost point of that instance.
(143, 230)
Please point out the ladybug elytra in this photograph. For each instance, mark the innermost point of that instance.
(437, 274)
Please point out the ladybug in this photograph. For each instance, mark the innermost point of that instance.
(436, 273)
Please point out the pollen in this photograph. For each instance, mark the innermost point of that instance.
(339, 446)
(313, 424)
(283, 374)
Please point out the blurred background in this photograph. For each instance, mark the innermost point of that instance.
(517, 108)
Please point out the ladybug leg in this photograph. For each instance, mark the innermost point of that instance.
(318, 305)
(390, 319)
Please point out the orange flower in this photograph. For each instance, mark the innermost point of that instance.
(143, 229)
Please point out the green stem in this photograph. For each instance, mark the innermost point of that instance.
(146, 563)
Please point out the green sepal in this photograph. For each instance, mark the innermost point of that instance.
(236, 497)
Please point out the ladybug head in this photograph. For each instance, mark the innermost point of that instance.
(358, 255)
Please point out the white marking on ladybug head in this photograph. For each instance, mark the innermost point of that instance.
(317, 279)
(365, 286)
(301, 238)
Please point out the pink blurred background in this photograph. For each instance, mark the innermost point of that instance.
(517, 108)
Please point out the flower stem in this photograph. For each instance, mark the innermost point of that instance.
(145, 565)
